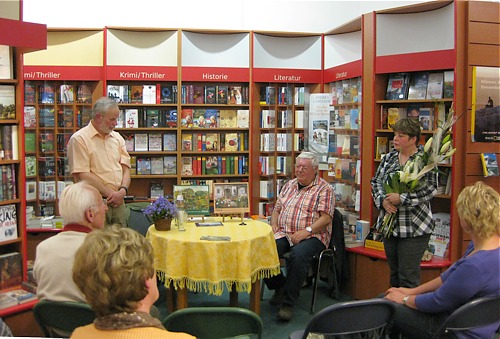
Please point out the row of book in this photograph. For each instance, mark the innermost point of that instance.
(45, 166)
(269, 165)
(224, 141)
(147, 117)
(347, 196)
(143, 142)
(7, 102)
(345, 118)
(45, 190)
(344, 169)
(8, 187)
(215, 118)
(166, 93)
(428, 117)
(15, 297)
(212, 165)
(166, 165)
(343, 144)
(45, 142)
(282, 95)
(8, 142)
(420, 86)
(50, 93)
(47, 117)
(283, 119)
(347, 91)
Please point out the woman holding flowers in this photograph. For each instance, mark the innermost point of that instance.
(405, 217)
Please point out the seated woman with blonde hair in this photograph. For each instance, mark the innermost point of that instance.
(422, 310)
(114, 269)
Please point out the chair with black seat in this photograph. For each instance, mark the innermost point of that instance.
(359, 318)
(476, 313)
(60, 318)
(329, 261)
(215, 322)
(135, 217)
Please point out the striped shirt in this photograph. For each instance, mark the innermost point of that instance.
(414, 215)
(300, 208)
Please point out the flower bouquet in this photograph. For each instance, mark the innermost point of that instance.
(161, 209)
(437, 149)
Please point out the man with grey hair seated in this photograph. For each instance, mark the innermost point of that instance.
(83, 210)
(302, 225)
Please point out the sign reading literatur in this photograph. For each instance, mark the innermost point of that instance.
(82, 73)
(342, 72)
(301, 76)
(215, 74)
(141, 73)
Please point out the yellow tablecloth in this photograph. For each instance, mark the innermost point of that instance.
(185, 261)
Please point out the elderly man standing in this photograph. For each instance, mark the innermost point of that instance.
(83, 210)
(98, 155)
(301, 222)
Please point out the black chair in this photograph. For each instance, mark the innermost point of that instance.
(135, 217)
(60, 318)
(359, 318)
(328, 263)
(215, 322)
(479, 312)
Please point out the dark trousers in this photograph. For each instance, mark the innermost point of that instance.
(404, 256)
(297, 266)
(412, 323)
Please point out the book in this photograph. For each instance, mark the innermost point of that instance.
(426, 119)
(149, 94)
(136, 94)
(132, 118)
(46, 142)
(235, 96)
(418, 86)
(435, 86)
(168, 118)
(210, 94)
(212, 165)
(31, 168)
(46, 94)
(84, 94)
(242, 118)
(381, 147)
(6, 64)
(31, 190)
(29, 93)
(222, 94)
(118, 93)
(155, 142)
(228, 118)
(231, 142)
(152, 117)
(440, 237)
(211, 118)
(397, 86)
(186, 166)
(187, 142)
(490, 164)
(169, 165)
(199, 94)
(187, 117)
(392, 116)
(211, 141)
(141, 141)
(46, 117)
(129, 142)
(156, 165)
(448, 84)
(6, 301)
(21, 296)
(7, 102)
(167, 94)
(199, 118)
(169, 142)
(11, 273)
(156, 190)
(143, 166)
(30, 142)
(8, 222)
(66, 94)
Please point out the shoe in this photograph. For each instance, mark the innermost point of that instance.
(286, 312)
(278, 296)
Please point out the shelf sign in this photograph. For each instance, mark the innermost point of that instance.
(83, 73)
(347, 71)
(141, 73)
(215, 74)
(300, 76)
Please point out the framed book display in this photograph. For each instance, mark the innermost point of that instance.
(231, 198)
(196, 198)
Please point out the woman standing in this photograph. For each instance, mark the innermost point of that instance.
(413, 223)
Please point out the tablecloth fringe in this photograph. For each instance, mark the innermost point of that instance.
(218, 288)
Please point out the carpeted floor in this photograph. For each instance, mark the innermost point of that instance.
(273, 329)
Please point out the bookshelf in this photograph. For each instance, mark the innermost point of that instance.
(26, 37)
(285, 72)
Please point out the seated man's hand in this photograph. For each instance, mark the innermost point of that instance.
(299, 236)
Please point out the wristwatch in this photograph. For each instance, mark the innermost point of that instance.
(309, 229)
(405, 299)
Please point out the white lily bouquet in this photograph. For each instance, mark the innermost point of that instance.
(436, 150)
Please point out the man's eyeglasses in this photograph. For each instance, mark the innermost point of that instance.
(104, 202)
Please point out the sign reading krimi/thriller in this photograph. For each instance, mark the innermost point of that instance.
(81, 73)
(141, 73)
(319, 122)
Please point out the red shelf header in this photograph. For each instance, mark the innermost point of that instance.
(412, 62)
(83, 73)
(215, 74)
(286, 75)
(347, 71)
(142, 73)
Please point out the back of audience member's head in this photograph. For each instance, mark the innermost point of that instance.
(76, 199)
(111, 268)
(478, 206)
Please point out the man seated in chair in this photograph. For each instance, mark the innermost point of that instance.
(301, 222)
(83, 210)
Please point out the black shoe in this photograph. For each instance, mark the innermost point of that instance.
(286, 312)
(278, 296)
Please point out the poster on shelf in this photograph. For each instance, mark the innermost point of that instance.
(319, 122)
(485, 121)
